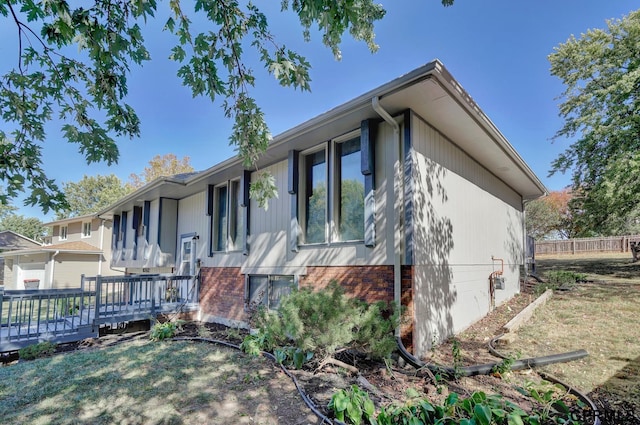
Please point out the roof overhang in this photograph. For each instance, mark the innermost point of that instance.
(43, 250)
(430, 91)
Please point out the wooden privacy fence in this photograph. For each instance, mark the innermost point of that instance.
(585, 245)
(65, 315)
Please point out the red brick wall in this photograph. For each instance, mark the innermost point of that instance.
(222, 288)
(406, 329)
(368, 283)
(222, 292)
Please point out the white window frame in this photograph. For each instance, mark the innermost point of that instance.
(64, 233)
(85, 225)
(332, 204)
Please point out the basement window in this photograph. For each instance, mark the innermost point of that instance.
(267, 290)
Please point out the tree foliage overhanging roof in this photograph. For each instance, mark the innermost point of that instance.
(88, 90)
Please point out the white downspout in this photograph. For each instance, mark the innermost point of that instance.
(53, 266)
(100, 256)
(398, 177)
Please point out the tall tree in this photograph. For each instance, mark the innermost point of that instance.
(601, 108)
(6, 209)
(551, 216)
(91, 194)
(86, 86)
(30, 227)
(165, 165)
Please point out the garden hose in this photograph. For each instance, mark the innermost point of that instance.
(270, 356)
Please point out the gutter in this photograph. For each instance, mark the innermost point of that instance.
(397, 226)
(102, 221)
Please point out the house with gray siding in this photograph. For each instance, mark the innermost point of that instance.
(76, 246)
(407, 194)
(11, 241)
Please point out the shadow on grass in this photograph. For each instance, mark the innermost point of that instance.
(149, 383)
(596, 268)
(621, 392)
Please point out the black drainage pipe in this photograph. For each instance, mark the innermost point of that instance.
(583, 397)
(485, 369)
(270, 356)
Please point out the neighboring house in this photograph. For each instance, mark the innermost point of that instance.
(408, 193)
(11, 241)
(75, 247)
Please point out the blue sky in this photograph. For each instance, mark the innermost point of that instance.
(496, 49)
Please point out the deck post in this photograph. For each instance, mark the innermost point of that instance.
(98, 297)
(153, 289)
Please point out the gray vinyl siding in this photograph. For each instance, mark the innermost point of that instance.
(270, 229)
(193, 220)
(167, 233)
(69, 267)
(463, 215)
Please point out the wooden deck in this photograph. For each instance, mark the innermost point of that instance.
(64, 315)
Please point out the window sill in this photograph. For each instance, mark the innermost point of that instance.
(337, 244)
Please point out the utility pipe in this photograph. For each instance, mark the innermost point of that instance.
(398, 195)
(100, 256)
(487, 368)
(53, 266)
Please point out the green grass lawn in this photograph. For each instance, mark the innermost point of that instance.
(142, 382)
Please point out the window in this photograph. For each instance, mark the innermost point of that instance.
(86, 229)
(63, 232)
(350, 188)
(268, 290)
(315, 197)
(227, 218)
(333, 202)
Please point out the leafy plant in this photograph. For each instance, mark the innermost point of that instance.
(165, 330)
(292, 356)
(325, 321)
(478, 409)
(456, 352)
(352, 406)
(558, 278)
(35, 351)
(551, 397)
(505, 365)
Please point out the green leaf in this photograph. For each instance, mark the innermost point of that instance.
(514, 419)
(482, 414)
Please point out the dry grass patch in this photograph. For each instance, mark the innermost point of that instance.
(602, 318)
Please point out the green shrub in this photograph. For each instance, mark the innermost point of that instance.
(558, 278)
(321, 322)
(35, 351)
(161, 331)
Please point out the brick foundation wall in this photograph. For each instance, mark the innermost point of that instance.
(368, 283)
(222, 289)
(406, 329)
(222, 292)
